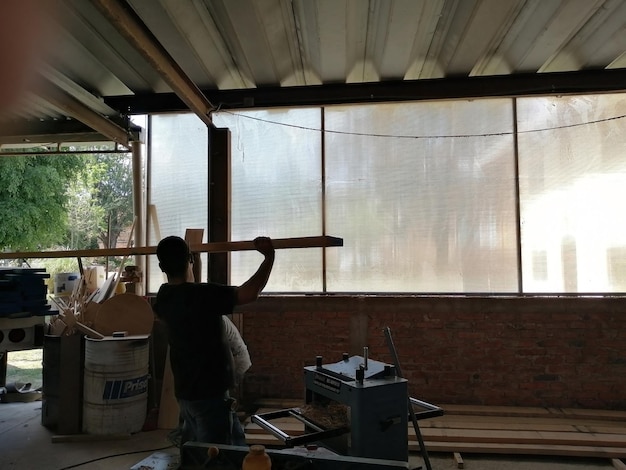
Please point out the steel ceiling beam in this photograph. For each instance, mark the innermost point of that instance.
(531, 84)
(72, 107)
(130, 26)
(55, 131)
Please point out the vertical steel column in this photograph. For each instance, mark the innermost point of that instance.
(219, 201)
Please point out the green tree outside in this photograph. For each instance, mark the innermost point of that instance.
(113, 191)
(101, 205)
(33, 200)
(73, 201)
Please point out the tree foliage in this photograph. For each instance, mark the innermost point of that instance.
(33, 200)
(101, 198)
(113, 191)
(70, 201)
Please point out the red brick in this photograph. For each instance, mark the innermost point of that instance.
(453, 350)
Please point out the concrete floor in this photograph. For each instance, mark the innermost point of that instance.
(25, 444)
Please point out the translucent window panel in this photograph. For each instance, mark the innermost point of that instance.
(420, 210)
(178, 176)
(572, 191)
(276, 191)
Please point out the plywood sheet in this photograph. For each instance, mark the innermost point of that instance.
(124, 312)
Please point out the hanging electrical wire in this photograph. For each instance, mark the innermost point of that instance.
(451, 136)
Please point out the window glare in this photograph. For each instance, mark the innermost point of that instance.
(178, 173)
(421, 210)
(276, 191)
(572, 186)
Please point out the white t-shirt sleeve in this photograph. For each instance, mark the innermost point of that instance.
(238, 348)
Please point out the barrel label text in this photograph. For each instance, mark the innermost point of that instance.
(127, 388)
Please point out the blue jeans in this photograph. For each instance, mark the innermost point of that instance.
(210, 421)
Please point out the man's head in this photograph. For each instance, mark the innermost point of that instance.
(174, 256)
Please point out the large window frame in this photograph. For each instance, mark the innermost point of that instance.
(312, 194)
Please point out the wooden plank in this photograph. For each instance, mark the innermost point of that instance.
(88, 437)
(477, 422)
(522, 437)
(154, 219)
(618, 464)
(525, 427)
(458, 460)
(485, 448)
(522, 449)
(493, 434)
(193, 236)
(535, 412)
(523, 431)
(88, 331)
(215, 247)
(293, 427)
(523, 411)
(273, 404)
(267, 440)
(128, 244)
(608, 415)
(484, 416)
(509, 426)
(468, 420)
(469, 427)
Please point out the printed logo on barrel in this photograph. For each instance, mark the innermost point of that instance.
(119, 389)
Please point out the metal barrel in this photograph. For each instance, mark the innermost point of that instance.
(115, 393)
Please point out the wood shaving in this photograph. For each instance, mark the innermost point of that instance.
(331, 416)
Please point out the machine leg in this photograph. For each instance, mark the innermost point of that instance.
(3, 368)
(418, 434)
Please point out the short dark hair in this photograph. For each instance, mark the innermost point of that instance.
(173, 254)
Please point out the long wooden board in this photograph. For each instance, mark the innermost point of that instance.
(505, 430)
(215, 247)
(536, 412)
(469, 447)
(527, 436)
(522, 449)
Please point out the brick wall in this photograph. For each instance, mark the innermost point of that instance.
(549, 352)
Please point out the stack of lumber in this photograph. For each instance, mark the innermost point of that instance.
(525, 430)
(23, 292)
(497, 430)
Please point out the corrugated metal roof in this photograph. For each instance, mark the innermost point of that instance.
(105, 54)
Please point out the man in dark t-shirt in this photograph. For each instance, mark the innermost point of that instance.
(199, 352)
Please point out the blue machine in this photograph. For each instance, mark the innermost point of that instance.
(371, 396)
(375, 400)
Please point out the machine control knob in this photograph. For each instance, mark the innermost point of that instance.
(318, 361)
(346, 357)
